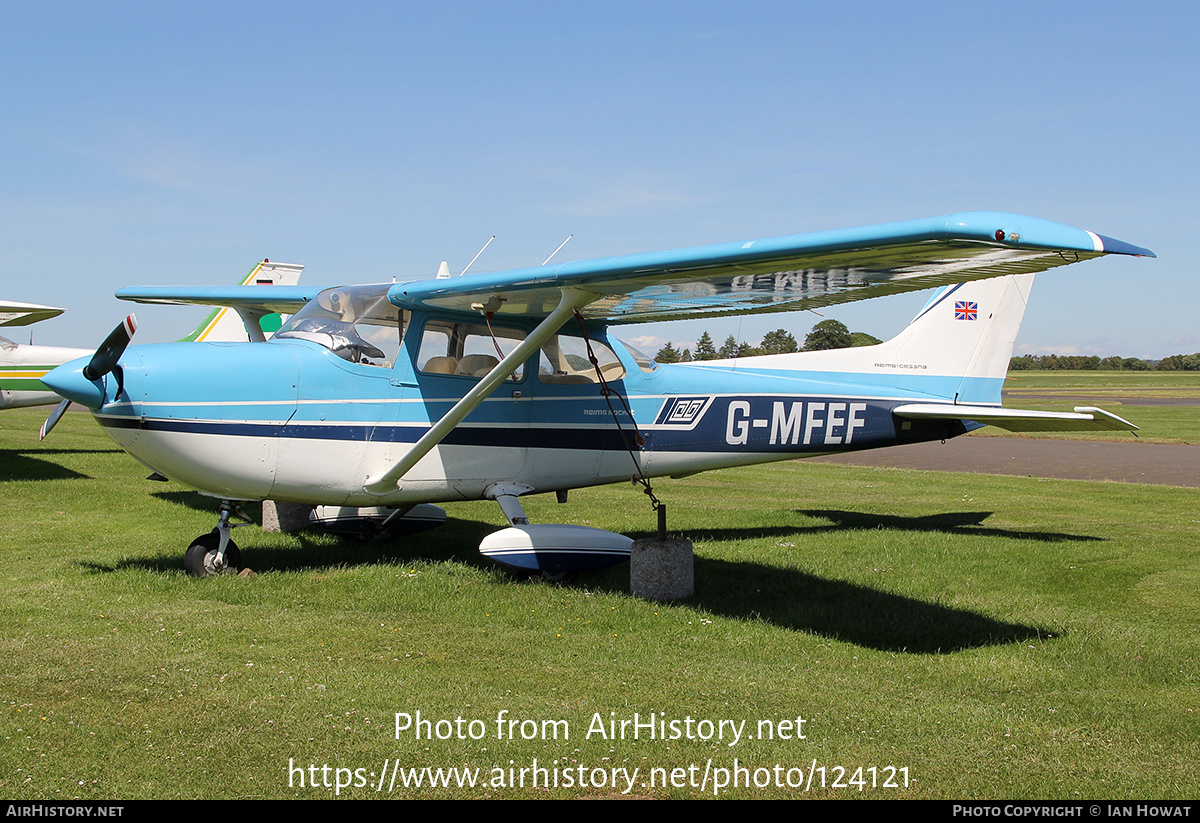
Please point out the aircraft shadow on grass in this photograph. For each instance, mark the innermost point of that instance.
(24, 465)
(847, 612)
(850, 612)
(787, 598)
(970, 523)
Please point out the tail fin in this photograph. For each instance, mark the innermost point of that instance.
(967, 330)
(224, 325)
(957, 348)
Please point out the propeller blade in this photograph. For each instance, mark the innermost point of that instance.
(111, 349)
(53, 419)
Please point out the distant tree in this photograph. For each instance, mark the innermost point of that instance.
(667, 354)
(1180, 362)
(861, 338)
(686, 357)
(779, 341)
(828, 334)
(729, 348)
(746, 350)
(705, 350)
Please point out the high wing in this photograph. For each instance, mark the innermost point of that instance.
(283, 299)
(791, 273)
(224, 325)
(26, 314)
(252, 303)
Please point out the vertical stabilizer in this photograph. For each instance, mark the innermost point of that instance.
(968, 330)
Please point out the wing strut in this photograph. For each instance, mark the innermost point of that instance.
(570, 300)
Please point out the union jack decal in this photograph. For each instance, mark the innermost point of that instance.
(965, 309)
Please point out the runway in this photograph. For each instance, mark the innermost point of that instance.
(1126, 461)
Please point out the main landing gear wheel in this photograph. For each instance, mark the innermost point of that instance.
(200, 559)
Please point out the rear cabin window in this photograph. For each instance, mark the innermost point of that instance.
(564, 361)
(467, 349)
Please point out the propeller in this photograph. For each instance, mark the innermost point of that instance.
(102, 362)
(52, 421)
(111, 349)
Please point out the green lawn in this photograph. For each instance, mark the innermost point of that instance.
(996, 637)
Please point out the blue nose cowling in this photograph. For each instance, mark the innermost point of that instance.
(68, 381)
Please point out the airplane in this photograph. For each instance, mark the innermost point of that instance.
(22, 367)
(497, 385)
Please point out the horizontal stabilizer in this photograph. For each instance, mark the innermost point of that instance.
(1085, 418)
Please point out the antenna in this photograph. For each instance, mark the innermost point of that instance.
(560, 245)
(476, 257)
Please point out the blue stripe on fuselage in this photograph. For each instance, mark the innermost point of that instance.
(783, 424)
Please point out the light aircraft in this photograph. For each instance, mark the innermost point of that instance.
(492, 386)
(23, 367)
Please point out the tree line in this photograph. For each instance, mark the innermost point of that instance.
(832, 334)
(1054, 362)
(828, 334)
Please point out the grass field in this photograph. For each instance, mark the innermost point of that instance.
(957, 636)
(1164, 405)
(1151, 383)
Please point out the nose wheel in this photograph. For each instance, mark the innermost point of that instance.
(201, 559)
(215, 552)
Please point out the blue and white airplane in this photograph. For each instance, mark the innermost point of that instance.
(492, 386)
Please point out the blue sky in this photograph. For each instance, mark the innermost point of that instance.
(178, 143)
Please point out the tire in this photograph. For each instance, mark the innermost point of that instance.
(199, 557)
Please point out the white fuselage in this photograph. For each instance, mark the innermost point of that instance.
(22, 369)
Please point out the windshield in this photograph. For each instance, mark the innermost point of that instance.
(357, 323)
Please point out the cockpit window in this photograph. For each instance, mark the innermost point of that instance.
(645, 362)
(357, 323)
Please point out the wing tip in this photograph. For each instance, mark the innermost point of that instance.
(1112, 246)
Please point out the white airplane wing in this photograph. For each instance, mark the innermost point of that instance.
(26, 314)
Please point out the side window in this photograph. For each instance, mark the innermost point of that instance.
(564, 361)
(466, 349)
